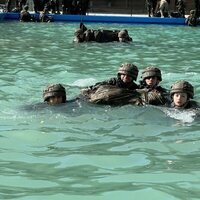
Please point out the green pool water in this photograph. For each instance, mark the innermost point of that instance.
(87, 151)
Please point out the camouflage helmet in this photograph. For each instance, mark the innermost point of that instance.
(54, 90)
(151, 71)
(182, 87)
(78, 32)
(128, 69)
(123, 34)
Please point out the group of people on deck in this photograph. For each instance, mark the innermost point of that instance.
(25, 16)
(156, 8)
(161, 8)
(68, 6)
(123, 90)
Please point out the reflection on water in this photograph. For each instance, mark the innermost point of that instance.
(86, 151)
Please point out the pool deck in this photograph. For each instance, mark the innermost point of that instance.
(102, 18)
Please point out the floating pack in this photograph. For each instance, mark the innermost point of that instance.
(153, 97)
(112, 95)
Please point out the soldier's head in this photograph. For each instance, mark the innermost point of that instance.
(54, 94)
(123, 36)
(128, 72)
(79, 35)
(151, 76)
(181, 91)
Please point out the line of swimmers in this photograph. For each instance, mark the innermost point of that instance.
(83, 34)
(122, 90)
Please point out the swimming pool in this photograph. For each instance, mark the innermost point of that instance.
(95, 152)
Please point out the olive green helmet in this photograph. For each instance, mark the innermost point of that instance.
(182, 87)
(128, 69)
(123, 34)
(54, 90)
(78, 32)
(151, 71)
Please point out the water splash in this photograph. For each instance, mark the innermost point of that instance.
(186, 116)
(83, 82)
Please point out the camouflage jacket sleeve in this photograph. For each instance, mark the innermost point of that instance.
(154, 97)
(92, 88)
(112, 81)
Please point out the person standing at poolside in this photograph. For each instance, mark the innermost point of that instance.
(164, 8)
(22, 3)
(30, 5)
(151, 7)
(84, 5)
(66, 6)
(180, 5)
(36, 5)
(8, 4)
(57, 6)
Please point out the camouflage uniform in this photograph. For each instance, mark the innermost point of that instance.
(54, 90)
(128, 69)
(87, 35)
(156, 95)
(184, 87)
(114, 90)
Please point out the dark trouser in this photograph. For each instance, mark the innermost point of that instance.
(8, 4)
(22, 3)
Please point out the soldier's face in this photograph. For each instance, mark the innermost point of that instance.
(55, 100)
(151, 81)
(180, 99)
(123, 40)
(126, 78)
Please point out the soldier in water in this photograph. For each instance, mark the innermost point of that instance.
(151, 92)
(25, 16)
(88, 35)
(118, 90)
(55, 98)
(192, 20)
(181, 94)
(54, 94)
